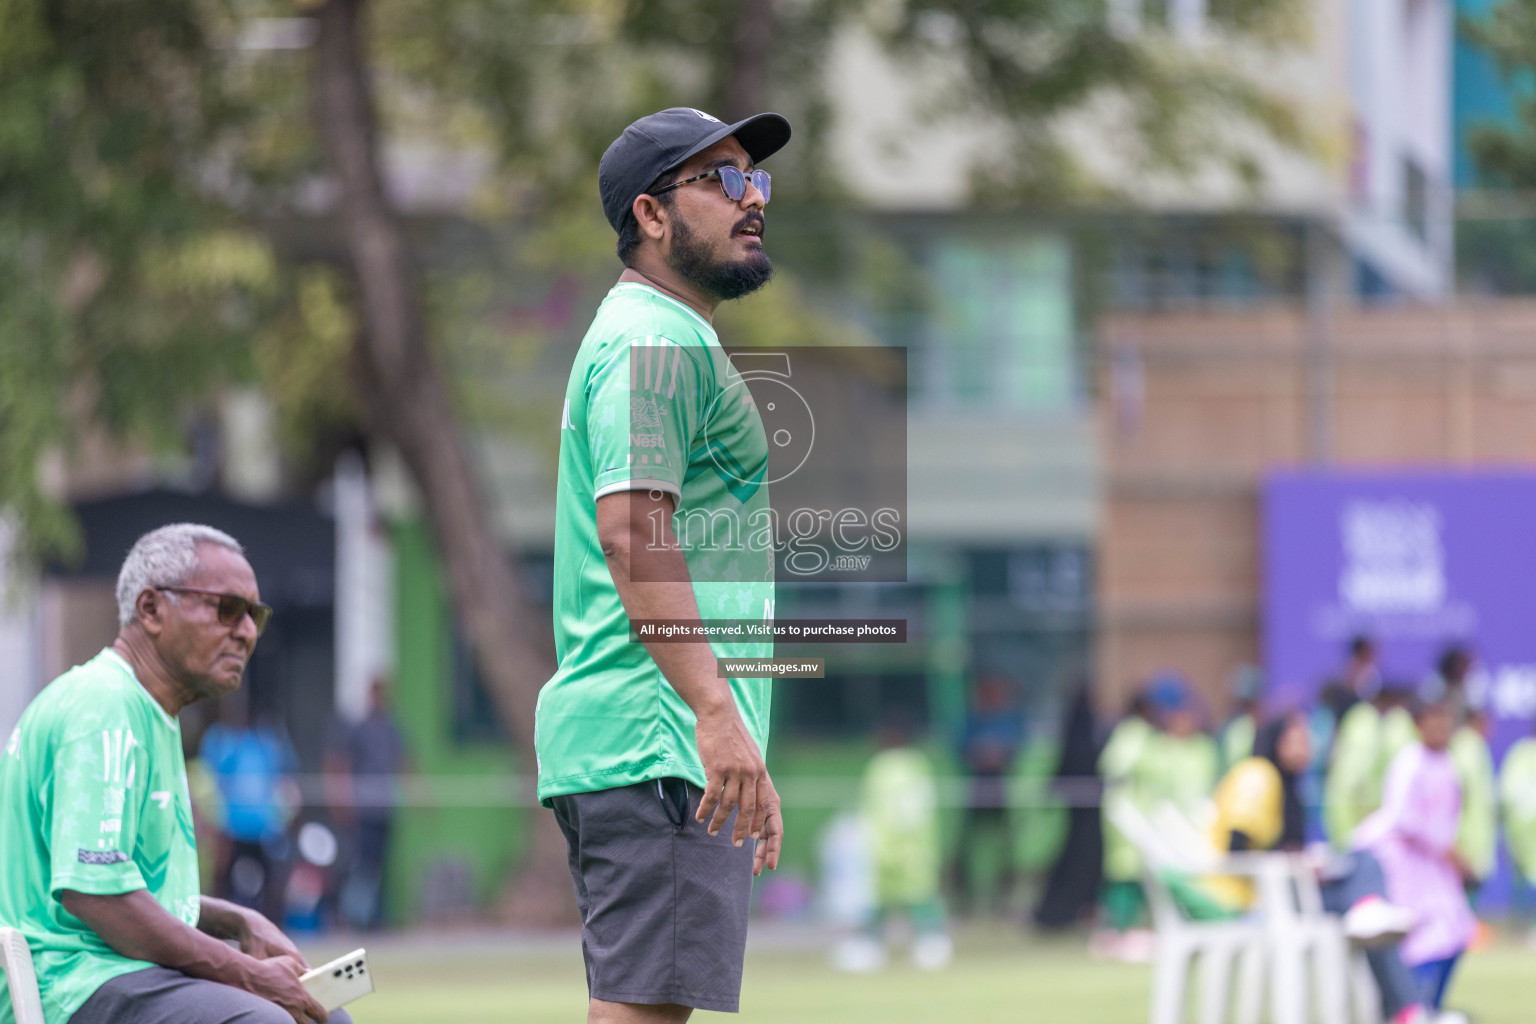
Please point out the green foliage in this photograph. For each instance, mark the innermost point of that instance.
(1025, 66)
(137, 150)
(547, 85)
(125, 291)
(303, 355)
(1508, 155)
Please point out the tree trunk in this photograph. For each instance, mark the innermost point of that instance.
(408, 403)
(747, 88)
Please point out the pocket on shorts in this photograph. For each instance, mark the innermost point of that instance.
(673, 794)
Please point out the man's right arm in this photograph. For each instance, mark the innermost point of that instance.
(733, 764)
(136, 926)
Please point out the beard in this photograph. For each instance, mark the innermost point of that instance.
(695, 261)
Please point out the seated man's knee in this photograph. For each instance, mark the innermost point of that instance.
(266, 1013)
(271, 1013)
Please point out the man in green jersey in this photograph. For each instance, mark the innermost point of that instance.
(98, 862)
(653, 764)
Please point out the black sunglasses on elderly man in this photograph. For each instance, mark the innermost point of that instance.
(733, 182)
(233, 607)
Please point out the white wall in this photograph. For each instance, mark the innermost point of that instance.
(1400, 82)
(365, 593)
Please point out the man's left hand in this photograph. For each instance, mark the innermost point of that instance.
(766, 855)
(264, 940)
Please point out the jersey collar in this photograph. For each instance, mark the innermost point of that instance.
(122, 663)
(664, 296)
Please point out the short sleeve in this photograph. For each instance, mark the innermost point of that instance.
(94, 804)
(644, 407)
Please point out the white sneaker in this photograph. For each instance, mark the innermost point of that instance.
(1451, 1017)
(858, 955)
(1373, 922)
(932, 952)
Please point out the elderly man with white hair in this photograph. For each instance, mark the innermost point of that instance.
(98, 862)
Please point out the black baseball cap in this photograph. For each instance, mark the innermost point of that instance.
(656, 144)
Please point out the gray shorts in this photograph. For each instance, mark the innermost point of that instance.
(663, 903)
(158, 995)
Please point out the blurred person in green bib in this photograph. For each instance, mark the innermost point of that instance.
(1369, 735)
(1121, 765)
(1517, 793)
(900, 808)
(1170, 761)
(1183, 762)
(1477, 836)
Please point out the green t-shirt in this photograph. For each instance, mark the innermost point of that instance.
(93, 797)
(653, 403)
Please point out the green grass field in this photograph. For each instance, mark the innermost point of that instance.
(999, 975)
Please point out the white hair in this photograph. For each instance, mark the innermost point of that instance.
(164, 558)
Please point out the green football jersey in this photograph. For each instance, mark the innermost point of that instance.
(653, 403)
(93, 797)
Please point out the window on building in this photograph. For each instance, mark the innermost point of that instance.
(1197, 266)
(852, 705)
(1416, 198)
(1002, 331)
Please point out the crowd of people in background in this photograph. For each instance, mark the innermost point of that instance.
(1389, 785)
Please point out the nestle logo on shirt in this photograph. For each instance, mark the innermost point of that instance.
(103, 857)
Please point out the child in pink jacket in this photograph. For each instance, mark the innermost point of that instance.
(1413, 835)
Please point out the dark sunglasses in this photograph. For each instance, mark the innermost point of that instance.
(733, 182)
(233, 607)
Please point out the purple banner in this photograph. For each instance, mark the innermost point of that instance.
(1415, 560)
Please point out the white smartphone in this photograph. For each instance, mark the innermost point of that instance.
(339, 982)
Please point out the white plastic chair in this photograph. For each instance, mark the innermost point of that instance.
(1344, 971)
(20, 979)
(1181, 942)
(1297, 930)
(1289, 932)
